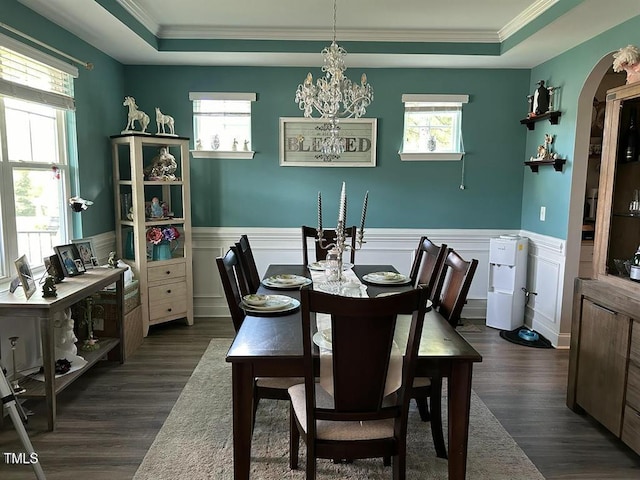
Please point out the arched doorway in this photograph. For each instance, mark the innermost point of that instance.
(595, 86)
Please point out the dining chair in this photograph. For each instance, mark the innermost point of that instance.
(231, 277)
(248, 267)
(427, 262)
(451, 291)
(425, 271)
(360, 418)
(329, 237)
(453, 286)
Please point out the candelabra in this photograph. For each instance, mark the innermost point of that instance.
(87, 307)
(337, 248)
(16, 386)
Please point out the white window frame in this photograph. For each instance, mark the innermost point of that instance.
(455, 101)
(58, 96)
(227, 96)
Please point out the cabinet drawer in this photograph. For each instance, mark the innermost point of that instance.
(166, 272)
(631, 428)
(633, 386)
(634, 352)
(167, 292)
(173, 308)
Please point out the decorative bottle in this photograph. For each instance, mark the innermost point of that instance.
(631, 148)
(634, 272)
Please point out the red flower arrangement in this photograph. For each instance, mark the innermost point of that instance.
(157, 235)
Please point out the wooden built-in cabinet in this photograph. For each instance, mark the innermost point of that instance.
(604, 362)
(166, 284)
(617, 228)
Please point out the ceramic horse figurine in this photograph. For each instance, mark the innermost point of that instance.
(135, 114)
(162, 120)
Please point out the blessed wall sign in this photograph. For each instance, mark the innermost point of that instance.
(301, 142)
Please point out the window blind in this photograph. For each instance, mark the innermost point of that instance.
(34, 81)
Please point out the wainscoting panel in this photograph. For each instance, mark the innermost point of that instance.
(383, 246)
(545, 278)
(284, 245)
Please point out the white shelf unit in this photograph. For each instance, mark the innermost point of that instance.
(166, 286)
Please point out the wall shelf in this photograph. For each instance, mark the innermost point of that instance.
(557, 164)
(530, 122)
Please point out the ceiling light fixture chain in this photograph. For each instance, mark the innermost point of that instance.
(334, 95)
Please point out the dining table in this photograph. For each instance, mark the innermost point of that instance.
(270, 345)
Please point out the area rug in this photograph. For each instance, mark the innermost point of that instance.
(196, 442)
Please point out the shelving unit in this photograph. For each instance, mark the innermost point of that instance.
(530, 122)
(604, 362)
(166, 286)
(36, 389)
(556, 163)
(47, 309)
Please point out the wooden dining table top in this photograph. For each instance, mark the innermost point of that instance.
(278, 337)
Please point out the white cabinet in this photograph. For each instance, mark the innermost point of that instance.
(164, 270)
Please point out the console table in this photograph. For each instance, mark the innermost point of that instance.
(70, 291)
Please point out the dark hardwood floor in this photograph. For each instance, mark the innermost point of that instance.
(109, 417)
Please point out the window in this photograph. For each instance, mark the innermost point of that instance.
(433, 127)
(36, 102)
(222, 124)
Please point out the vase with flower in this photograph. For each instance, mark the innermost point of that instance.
(161, 238)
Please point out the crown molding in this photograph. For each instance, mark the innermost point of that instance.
(532, 12)
(201, 32)
(141, 15)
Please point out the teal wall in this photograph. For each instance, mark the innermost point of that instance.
(569, 71)
(259, 192)
(98, 93)
(500, 192)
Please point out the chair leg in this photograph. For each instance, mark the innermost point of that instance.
(436, 418)
(294, 440)
(311, 460)
(256, 399)
(399, 467)
(423, 408)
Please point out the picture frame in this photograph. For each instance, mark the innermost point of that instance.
(300, 142)
(67, 254)
(26, 276)
(86, 251)
(53, 267)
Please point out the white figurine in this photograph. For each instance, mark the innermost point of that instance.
(64, 339)
(234, 147)
(161, 121)
(628, 59)
(163, 167)
(246, 145)
(135, 114)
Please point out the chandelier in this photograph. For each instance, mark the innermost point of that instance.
(333, 96)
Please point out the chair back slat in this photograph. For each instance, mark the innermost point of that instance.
(229, 269)
(360, 372)
(329, 236)
(251, 277)
(453, 286)
(427, 263)
(362, 335)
